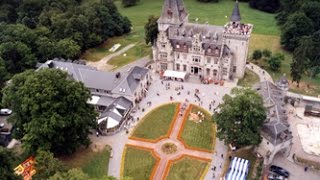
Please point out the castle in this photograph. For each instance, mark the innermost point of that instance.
(212, 52)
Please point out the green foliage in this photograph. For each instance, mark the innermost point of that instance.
(128, 3)
(187, 169)
(51, 111)
(298, 25)
(7, 166)
(208, 1)
(151, 30)
(240, 117)
(77, 174)
(274, 63)
(266, 53)
(270, 6)
(257, 54)
(46, 165)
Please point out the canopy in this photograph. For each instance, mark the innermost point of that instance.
(174, 74)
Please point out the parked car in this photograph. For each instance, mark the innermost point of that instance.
(273, 176)
(5, 111)
(279, 170)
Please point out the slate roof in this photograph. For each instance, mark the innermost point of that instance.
(129, 84)
(92, 78)
(173, 12)
(275, 128)
(235, 17)
(122, 101)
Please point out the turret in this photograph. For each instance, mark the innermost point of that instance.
(236, 17)
(173, 14)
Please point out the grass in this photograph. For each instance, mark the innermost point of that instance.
(95, 164)
(138, 164)
(248, 155)
(140, 50)
(187, 169)
(250, 78)
(264, 23)
(199, 135)
(156, 123)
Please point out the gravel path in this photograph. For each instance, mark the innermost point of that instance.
(103, 63)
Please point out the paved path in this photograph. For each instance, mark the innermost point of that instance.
(173, 138)
(263, 74)
(208, 93)
(102, 64)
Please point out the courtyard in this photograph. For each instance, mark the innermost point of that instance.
(178, 148)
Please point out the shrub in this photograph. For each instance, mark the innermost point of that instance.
(257, 54)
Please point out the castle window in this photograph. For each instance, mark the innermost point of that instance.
(225, 71)
(208, 60)
(209, 50)
(178, 56)
(215, 61)
(178, 46)
(234, 70)
(196, 48)
(178, 67)
(208, 71)
(215, 72)
(184, 68)
(163, 66)
(163, 56)
(196, 59)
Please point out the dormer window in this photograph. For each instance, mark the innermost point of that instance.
(178, 46)
(209, 50)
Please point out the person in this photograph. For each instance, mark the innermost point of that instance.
(97, 133)
(305, 169)
(214, 168)
(221, 155)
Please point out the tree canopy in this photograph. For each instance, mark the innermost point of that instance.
(51, 111)
(270, 6)
(240, 117)
(151, 30)
(46, 165)
(7, 166)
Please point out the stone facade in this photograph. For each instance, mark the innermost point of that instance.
(214, 52)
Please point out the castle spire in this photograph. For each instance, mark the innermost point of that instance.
(235, 17)
(173, 12)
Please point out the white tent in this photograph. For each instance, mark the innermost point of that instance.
(174, 74)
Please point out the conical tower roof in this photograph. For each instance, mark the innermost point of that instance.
(235, 17)
(173, 12)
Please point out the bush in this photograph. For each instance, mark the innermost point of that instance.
(257, 54)
(266, 53)
(274, 63)
(128, 3)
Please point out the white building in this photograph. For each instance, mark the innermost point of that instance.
(212, 52)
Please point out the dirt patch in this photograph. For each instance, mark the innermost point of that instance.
(169, 148)
(305, 88)
(197, 117)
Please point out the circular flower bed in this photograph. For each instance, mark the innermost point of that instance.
(169, 148)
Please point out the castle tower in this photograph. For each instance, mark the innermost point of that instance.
(236, 36)
(173, 14)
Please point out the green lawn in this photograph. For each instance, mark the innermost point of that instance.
(250, 78)
(247, 154)
(199, 135)
(187, 169)
(95, 164)
(214, 13)
(138, 164)
(140, 50)
(156, 123)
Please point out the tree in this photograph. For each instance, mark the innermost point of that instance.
(266, 53)
(67, 48)
(274, 63)
(6, 168)
(3, 73)
(240, 117)
(50, 111)
(151, 30)
(256, 54)
(46, 165)
(208, 1)
(17, 56)
(298, 25)
(128, 3)
(270, 6)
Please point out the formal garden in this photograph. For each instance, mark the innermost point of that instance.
(198, 132)
(192, 130)
(187, 168)
(156, 123)
(137, 163)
